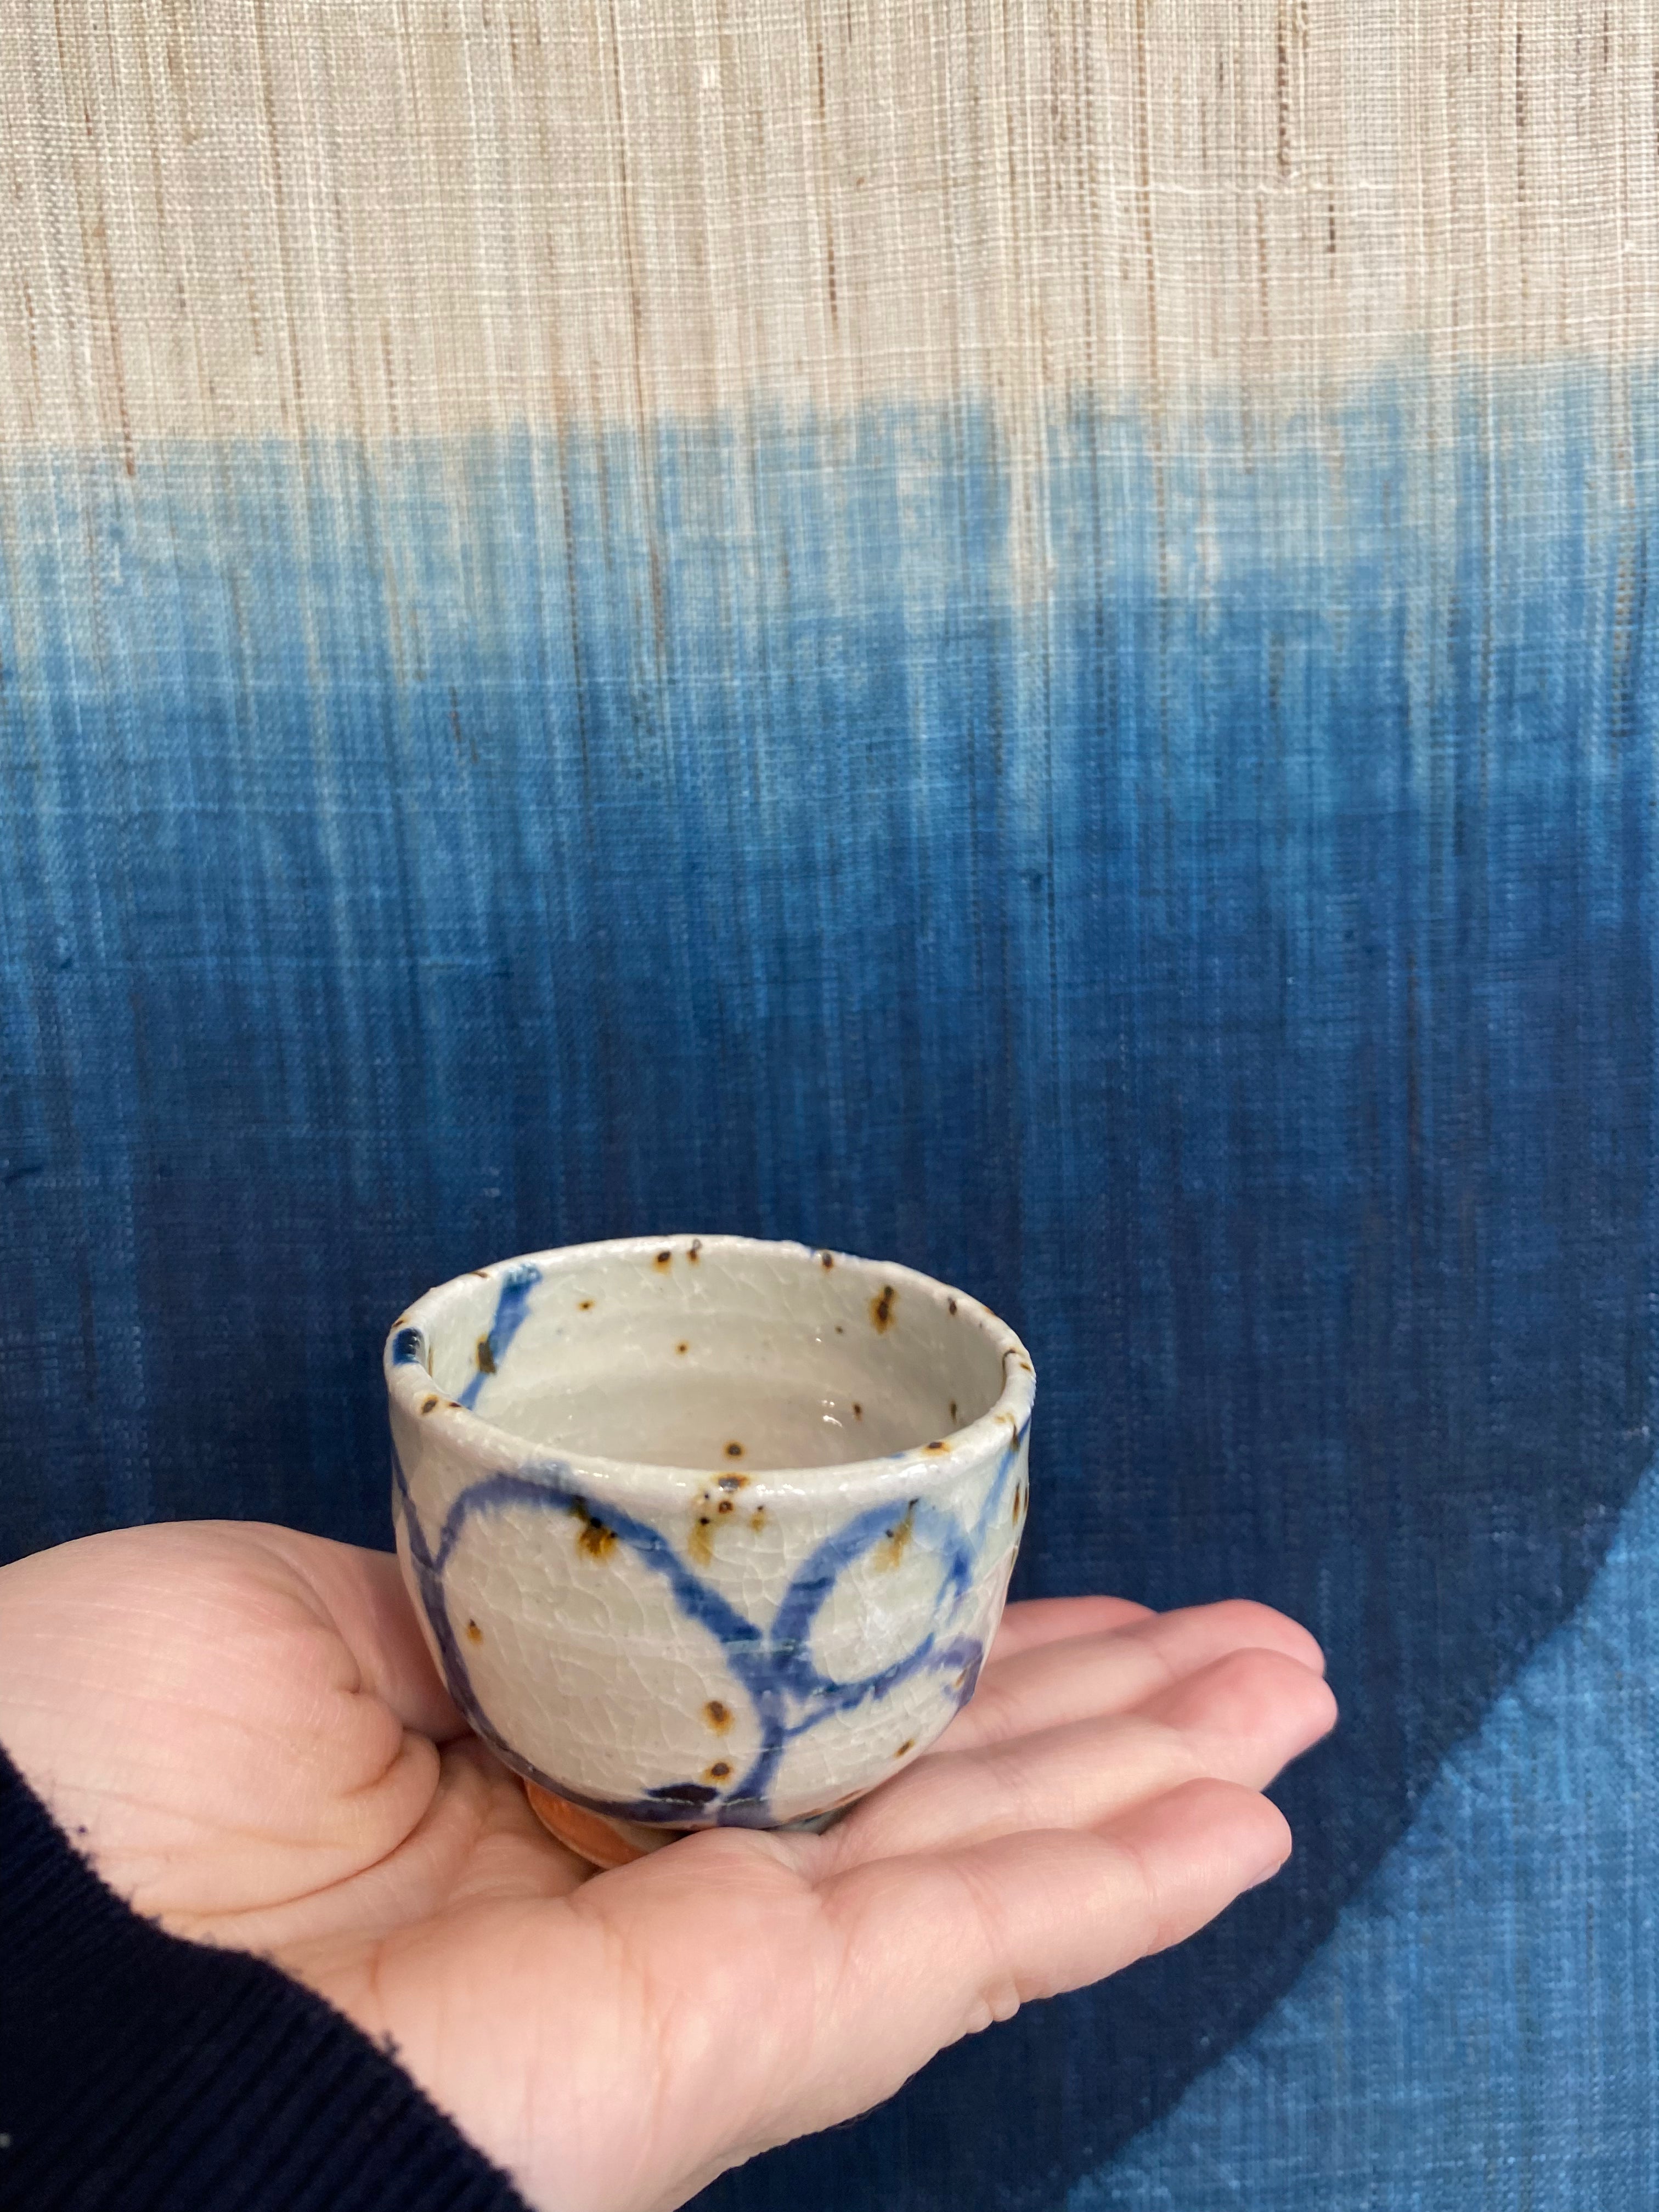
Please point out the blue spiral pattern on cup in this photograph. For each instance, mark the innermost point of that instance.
(789, 1694)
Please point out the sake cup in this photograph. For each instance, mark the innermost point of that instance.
(704, 1531)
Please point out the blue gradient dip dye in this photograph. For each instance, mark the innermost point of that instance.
(1191, 882)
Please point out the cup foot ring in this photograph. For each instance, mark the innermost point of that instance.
(595, 1836)
(604, 1842)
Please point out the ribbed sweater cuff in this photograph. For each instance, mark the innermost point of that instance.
(141, 2071)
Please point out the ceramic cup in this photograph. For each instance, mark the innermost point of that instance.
(704, 1531)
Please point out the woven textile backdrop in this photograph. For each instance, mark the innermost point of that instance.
(1017, 636)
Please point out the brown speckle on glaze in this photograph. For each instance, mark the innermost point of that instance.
(826, 1259)
(1019, 1505)
(701, 1543)
(726, 1506)
(953, 1409)
(486, 1356)
(949, 1305)
(584, 1306)
(909, 1744)
(682, 1347)
(734, 1481)
(758, 1519)
(482, 1273)
(474, 1633)
(663, 1259)
(840, 1331)
(595, 1538)
(858, 1411)
(734, 1450)
(694, 1250)
(895, 1544)
(938, 1445)
(718, 1771)
(427, 1404)
(881, 1307)
(719, 1717)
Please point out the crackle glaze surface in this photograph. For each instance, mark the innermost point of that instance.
(702, 1530)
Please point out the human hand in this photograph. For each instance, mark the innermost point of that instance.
(242, 1726)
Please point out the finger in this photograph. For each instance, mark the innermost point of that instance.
(1251, 1694)
(1084, 1676)
(1037, 1620)
(1240, 1720)
(363, 1595)
(939, 1946)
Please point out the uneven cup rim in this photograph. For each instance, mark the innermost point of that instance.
(411, 1384)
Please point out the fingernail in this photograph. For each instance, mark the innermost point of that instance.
(1267, 1871)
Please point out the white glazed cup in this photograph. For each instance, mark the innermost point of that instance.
(704, 1531)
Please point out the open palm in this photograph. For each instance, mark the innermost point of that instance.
(243, 1725)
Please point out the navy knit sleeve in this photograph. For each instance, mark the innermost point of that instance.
(142, 2072)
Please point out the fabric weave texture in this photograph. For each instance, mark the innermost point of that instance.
(1019, 637)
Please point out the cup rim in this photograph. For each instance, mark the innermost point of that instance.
(411, 1386)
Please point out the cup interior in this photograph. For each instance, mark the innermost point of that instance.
(715, 1352)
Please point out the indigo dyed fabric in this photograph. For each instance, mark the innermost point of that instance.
(1017, 636)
